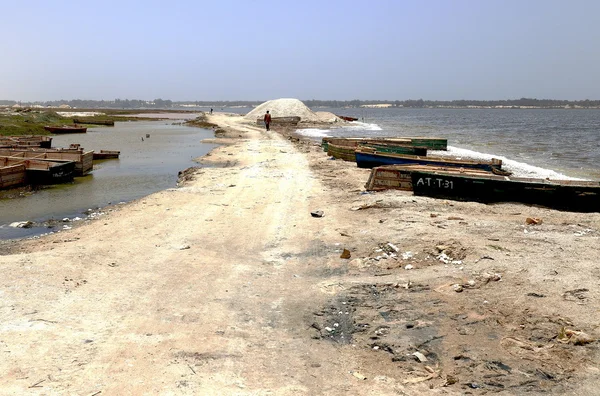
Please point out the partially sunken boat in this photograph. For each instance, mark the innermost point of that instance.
(106, 154)
(42, 172)
(346, 118)
(570, 195)
(93, 122)
(26, 141)
(370, 159)
(83, 160)
(65, 129)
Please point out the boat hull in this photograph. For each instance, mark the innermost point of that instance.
(26, 141)
(347, 152)
(93, 122)
(371, 160)
(63, 130)
(12, 176)
(42, 172)
(106, 154)
(567, 195)
(399, 177)
(83, 160)
(432, 143)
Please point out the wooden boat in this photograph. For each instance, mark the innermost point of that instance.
(83, 160)
(422, 142)
(347, 152)
(26, 140)
(106, 154)
(12, 176)
(571, 195)
(371, 159)
(66, 129)
(346, 118)
(93, 122)
(42, 172)
(280, 121)
(399, 177)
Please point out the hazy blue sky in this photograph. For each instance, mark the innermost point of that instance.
(259, 50)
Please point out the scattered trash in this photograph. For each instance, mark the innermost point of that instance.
(457, 288)
(409, 267)
(317, 213)
(537, 295)
(533, 220)
(420, 356)
(455, 218)
(184, 247)
(66, 220)
(433, 215)
(393, 247)
(359, 375)
(345, 254)
(569, 336)
(21, 224)
(366, 206)
(407, 255)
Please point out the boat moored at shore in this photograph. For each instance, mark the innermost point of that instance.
(370, 159)
(571, 195)
(65, 129)
(42, 172)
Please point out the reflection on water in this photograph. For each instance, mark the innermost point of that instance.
(146, 165)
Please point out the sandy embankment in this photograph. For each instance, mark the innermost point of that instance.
(227, 285)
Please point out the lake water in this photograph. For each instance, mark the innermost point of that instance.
(145, 166)
(555, 143)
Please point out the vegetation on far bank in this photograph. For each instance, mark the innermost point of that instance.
(26, 121)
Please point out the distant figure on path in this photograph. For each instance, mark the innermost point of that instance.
(211, 110)
(267, 119)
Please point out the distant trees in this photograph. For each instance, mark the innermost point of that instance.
(313, 103)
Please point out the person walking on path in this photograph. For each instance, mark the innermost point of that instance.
(267, 120)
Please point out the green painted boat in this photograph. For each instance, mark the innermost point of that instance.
(347, 152)
(421, 142)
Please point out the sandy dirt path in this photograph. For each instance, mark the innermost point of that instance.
(202, 289)
(227, 285)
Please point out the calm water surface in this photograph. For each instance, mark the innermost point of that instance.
(144, 167)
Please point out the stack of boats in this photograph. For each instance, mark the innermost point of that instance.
(38, 163)
(403, 164)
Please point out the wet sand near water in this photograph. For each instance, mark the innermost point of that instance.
(228, 285)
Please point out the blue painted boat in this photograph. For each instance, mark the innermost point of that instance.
(370, 159)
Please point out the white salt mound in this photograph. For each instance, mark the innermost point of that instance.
(326, 116)
(284, 108)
